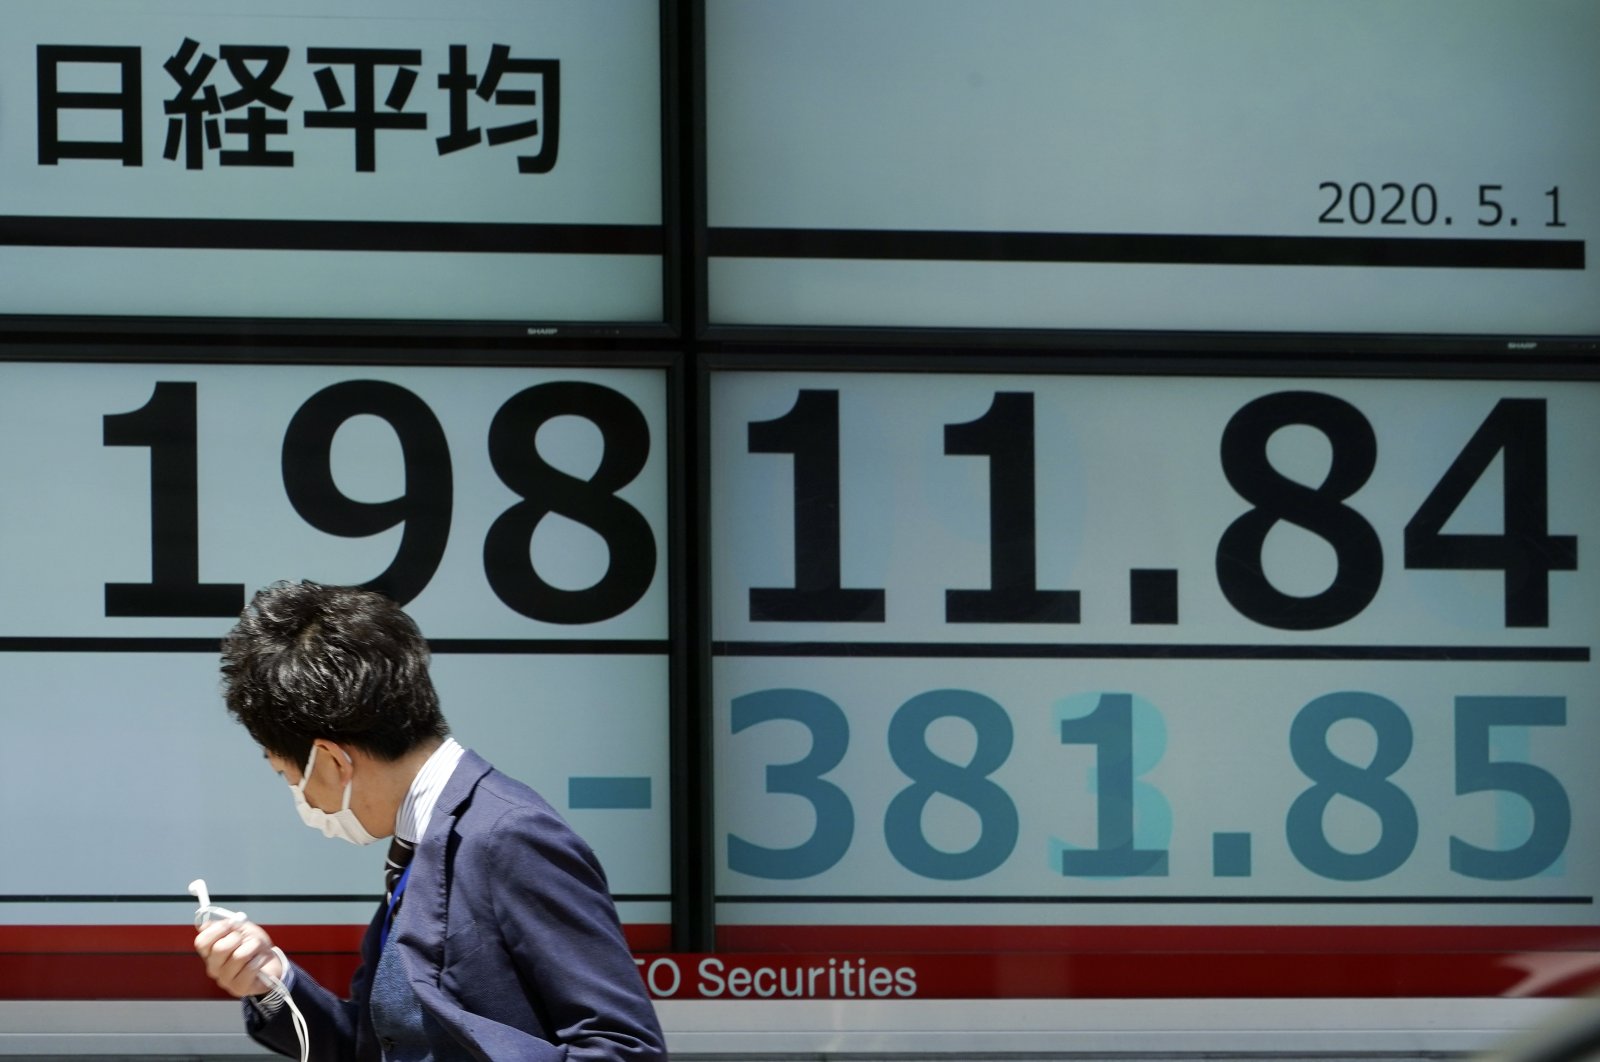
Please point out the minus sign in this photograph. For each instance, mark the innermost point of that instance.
(608, 793)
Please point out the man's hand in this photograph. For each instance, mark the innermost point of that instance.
(236, 953)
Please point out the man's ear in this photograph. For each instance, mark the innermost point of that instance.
(338, 757)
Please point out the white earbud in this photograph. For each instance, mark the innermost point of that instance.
(197, 889)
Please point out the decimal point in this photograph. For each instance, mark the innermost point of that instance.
(1153, 595)
(1230, 855)
(1513, 222)
(1449, 221)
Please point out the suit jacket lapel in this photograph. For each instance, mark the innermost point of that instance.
(420, 936)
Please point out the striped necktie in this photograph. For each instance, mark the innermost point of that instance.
(400, 852)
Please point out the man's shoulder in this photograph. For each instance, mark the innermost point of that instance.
(511, 792)
(522, 849)
(506, 823)
(500, 800)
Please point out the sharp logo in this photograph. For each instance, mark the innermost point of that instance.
(543, 331)
(1524, 345)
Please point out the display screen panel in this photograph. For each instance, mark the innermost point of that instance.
(493, 163)
(1155, 685)
(519, 514)
(1236, 166)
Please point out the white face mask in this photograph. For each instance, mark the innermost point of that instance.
(342, 824)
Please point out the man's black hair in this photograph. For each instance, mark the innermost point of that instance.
(308, 661)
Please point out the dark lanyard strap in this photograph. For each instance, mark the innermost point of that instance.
(394, 902)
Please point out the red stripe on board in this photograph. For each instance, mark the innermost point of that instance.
(920, 975)
(111, 940)
(158, 962)
(925, 962)
(1147, 975)
(1203, 961)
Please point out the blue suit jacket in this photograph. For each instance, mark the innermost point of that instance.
(508, 936)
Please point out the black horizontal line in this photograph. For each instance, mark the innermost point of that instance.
(1142, 651)
(464, 646)
(581, 646)
(236, 897)
(243, 897)
(251, 234)
(1058, 900)
(1146, 248)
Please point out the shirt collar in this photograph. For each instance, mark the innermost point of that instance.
(417, 808)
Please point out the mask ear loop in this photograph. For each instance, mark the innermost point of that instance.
(210, 912)
(305, 773)
(349, 786)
